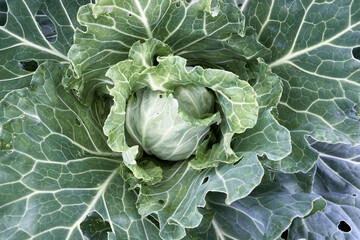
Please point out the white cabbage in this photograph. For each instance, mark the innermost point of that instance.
(161, 123)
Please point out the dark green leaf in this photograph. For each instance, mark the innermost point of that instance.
(56, 168)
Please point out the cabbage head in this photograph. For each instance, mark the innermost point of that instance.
(158, 122)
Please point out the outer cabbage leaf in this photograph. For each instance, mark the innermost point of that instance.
(191, 28)
(266, 84)
(312, 46)
(266, 137)
(56, 167)
(22, 39)
(203, 228)
(209, 154)
(265, 213)
(302, 157)
(337, 180)
(175, 200)
(268, 88)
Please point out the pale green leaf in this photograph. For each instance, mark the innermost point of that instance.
(209, 154)
(236, 98)
(266, 84)
(267, 137)
(122, 74)
(302, 157)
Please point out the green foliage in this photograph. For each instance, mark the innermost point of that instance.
(185, 119)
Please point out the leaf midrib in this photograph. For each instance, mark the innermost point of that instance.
(292, 55)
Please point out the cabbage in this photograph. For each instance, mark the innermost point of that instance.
(154, 121)
(179, 119)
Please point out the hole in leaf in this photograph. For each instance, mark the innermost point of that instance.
(177, 4)
(155, 61)
(188, 1)
(95, 227)
(356, 53)
(236, 163)
(205, 180)
(29, 66)
(227, 41)
(354, 195)
(129, 14)
(344, 226)
(153, 220)
(161, 202)
(355, 112)
(47, 26)
(77, 121)
(3, 12)
(285, 234)
(160, 96)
